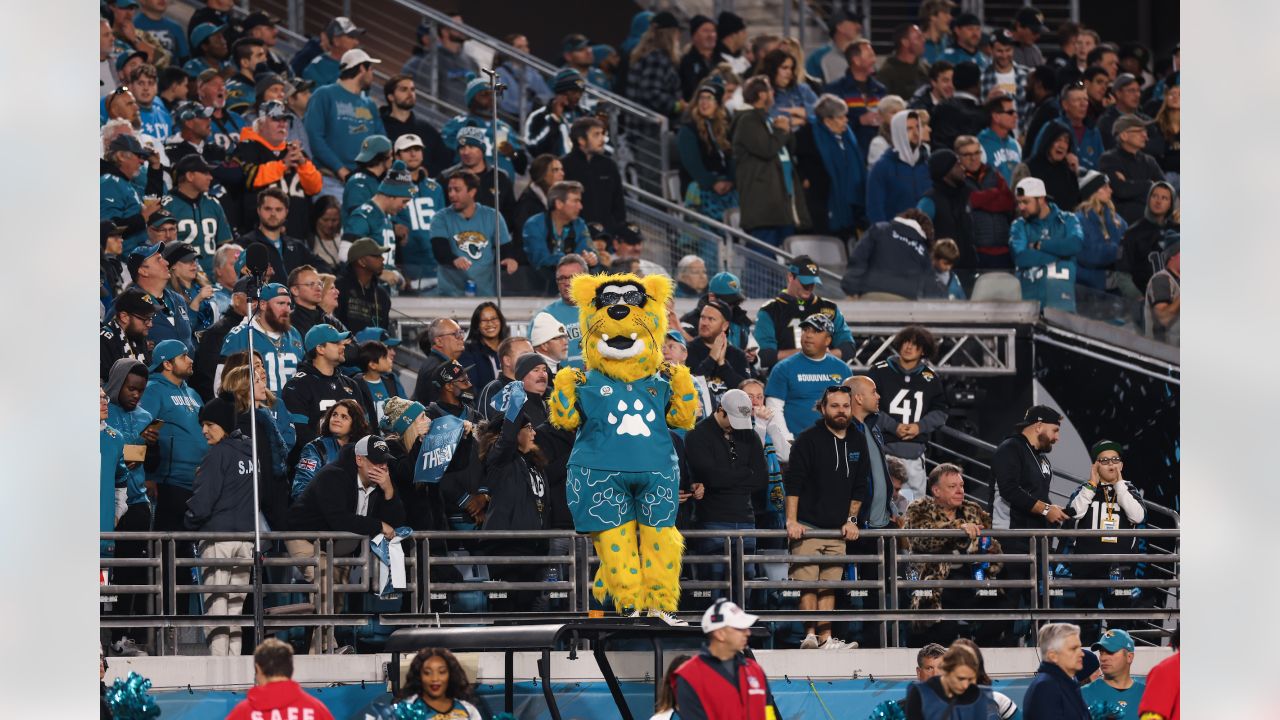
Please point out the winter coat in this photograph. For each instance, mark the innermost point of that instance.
(1141, 173)
(1054, 695)
(329, 502)
(729, 481)
(602, 199)
(762, 188)
(894, 186)
(892, 257)
(222, 496)
(1103, 235)
(1060, 182)
(961, 114)
(926, 514)
(1088, 148)
(517, 486)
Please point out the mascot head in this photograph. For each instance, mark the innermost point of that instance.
(623, 320)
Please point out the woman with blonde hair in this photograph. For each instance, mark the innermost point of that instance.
(953, 694)
(1104, 230)
(329, 293)
(1164, 142)
(706, 153)
(273, 486)
(653, 80)
(890, 105)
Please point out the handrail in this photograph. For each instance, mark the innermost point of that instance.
(719, 226)
(984, 445)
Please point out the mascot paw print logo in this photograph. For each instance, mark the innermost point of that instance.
(632, 423)
(609, 507)
(659, 506)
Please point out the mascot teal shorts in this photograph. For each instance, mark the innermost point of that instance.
(606, 499)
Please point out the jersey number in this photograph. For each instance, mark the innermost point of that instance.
(795, 328)
(421, 210)
(203, 237)
(908, 406)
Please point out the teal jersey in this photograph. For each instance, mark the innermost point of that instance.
(118, 199)
(567, 315)
(799, 382)
(1126, 701)
(130, 425)
(417, 216)
(369, 221)
(323, 70)
(1003, 155)
(360, 189)
(470, 238)
(240, 95)
(624, 425)
(110, 467)
(280, 354)
(201, 224)
(378, 391)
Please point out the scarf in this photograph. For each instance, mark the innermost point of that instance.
(843, 162)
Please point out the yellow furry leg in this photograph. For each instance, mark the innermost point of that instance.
(619, 573)
(660, 551)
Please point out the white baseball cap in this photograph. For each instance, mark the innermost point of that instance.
(737, 405)
(354, 57)
(723, 613)
(1030, 187)
(408, 140)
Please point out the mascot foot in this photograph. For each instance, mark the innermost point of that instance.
(619, 573)
(662, 549)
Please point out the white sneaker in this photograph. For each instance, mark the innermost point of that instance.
(834, 643)
(810, 642)
(668, 618)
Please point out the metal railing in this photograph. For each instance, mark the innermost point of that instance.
(882, 573)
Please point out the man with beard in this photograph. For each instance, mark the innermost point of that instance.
(712, 357)
(284, 253)
(363, 299)
(1021, 476)
(823, 493)
(319, 384)
(339, 117)
(273, 338)
(125, 334)
(211, 90)
(269, 160)
(398, 119)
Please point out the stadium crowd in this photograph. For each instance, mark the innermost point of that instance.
(961, 150)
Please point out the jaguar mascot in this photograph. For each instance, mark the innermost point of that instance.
(623, 481)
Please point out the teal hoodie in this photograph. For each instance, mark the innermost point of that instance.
(181, 445)
(1044, 253)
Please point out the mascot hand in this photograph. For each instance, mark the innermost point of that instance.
(684, 396)
(564, 398)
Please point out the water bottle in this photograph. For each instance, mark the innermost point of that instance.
(470, 290)
(980, 571)
(912, 573)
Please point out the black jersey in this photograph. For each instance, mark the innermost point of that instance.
(918, 396)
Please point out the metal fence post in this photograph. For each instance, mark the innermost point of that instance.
(885, 585)
(891, 582)
(737, 571)
(1041, 547)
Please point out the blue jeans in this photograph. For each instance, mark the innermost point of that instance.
(716, 546)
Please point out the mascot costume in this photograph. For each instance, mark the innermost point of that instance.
(623, 481)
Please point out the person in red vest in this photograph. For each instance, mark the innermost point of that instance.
(720, 683)
(275, 694)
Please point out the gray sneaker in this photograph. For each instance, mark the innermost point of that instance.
(668, 618)
(810, 642)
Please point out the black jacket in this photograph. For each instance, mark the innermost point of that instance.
(693, 68)
(1060, 182)
(113, 345)
(824, 474)
(209, 353)
(951, 217)
(222, 494)
(309, 393)
(719, 377)
(425, 391)
(862, 466)
(1140, 172)
(436, 156)
(1021, 476)
(954, 117)
(296, 254)
(303, 319)
(362, 306)
(602, 199)
(891, 257)
(556, 444)
(1140, 240)
(517, 487)
(729, 478)
(329, 502)
(424, 506)
(1054, 695)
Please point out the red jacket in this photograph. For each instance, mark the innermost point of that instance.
(282, 700)
(720, 700)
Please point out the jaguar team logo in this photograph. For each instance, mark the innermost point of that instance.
(472, 244)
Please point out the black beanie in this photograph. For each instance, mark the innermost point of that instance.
(967, 75)
(220, 411)
(940, 163)
(729, 23)
(698, 21)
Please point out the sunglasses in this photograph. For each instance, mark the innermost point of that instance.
(634, 298)
(838, 389)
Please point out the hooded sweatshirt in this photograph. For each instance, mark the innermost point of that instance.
(1059, 181)
(892, 257)
(222, 497)
(1146, 236)
(899, 178)
(181, 446)
(130, 423)
(824, 475)
(283, 698)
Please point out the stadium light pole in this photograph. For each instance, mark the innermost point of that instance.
(496, 88)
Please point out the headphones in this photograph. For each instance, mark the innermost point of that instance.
(716, 614)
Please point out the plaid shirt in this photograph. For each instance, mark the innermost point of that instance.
(654, 83)
(1020, 73)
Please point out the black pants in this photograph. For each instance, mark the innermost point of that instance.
(171, 507)
(985, 634)
(136, 519)
(1089, 598)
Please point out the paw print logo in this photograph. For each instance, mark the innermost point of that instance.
(632, 423)
(659, 506)
(609, 507)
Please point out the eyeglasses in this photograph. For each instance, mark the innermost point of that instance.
(1110, 461)
(144, 319)
(563, 278)
(458, 334)
(313, 284)
(1010, 111)
(976, 153)
(634, 298)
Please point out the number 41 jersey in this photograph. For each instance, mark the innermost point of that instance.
(910, 397)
